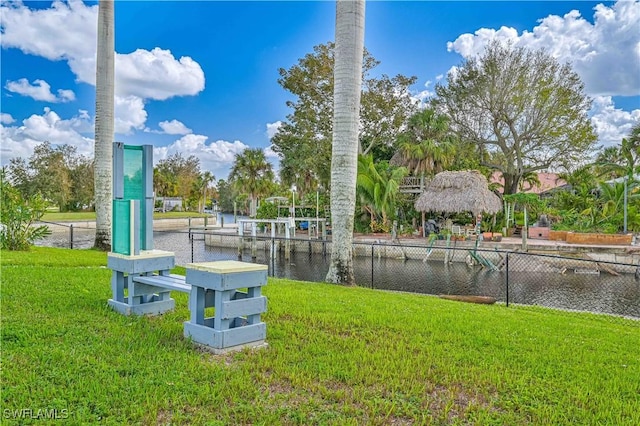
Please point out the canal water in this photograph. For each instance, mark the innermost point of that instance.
(602, 293)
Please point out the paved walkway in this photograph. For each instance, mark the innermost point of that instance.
(507, 243)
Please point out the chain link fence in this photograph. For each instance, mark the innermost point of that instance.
(600, 283)
(69, 235)
(597, 285)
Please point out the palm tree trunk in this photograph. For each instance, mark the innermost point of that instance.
(349, 46)
(105, 82)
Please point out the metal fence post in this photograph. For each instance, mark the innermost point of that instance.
(273, 258)
(191, 239)
(506, 268)
(71, 236)
(371, 265)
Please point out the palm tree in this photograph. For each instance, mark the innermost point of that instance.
(583, 188)
(104, 126)
(606, 158)
(378, 186)
(251, 173)
(622, 161)
(426, 147)
(207, 178)
(349, 48)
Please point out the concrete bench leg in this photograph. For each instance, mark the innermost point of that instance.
(236, 323)
(141, 299)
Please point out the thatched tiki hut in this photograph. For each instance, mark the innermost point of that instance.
(456, 192)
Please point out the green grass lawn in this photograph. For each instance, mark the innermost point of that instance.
(80, 216)
(336, 355)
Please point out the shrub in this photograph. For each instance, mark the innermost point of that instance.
(17, 217)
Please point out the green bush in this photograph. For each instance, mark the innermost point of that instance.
(17, 217)
(268, 210)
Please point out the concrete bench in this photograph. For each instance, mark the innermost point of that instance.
(147, 283)
(141, 298)
(237, 322)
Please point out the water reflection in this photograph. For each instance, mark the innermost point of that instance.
(604, 293)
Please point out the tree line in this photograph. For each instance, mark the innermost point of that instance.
(512, 110)
(65, 179)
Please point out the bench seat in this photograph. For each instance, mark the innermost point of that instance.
(170, 282)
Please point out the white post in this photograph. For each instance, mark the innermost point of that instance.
(293, 213)
(625, 204)
(525, 230)
(287, 244)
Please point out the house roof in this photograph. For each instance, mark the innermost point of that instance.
(548, 181)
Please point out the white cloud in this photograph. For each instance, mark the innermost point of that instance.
(156, 74)
(216, 157)
(130, 114)
(272, 128)
(270, 154)
(40, 90)
(612, 124)
(606, 54)
(174, 127)
(423, 96)
(67, 32)
(19, 141)
(6, 118)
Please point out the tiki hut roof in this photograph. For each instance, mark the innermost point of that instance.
(456, 192)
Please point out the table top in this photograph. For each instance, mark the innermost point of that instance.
(226, 266)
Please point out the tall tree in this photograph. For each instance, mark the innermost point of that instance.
(378, 187)
(58, 173)
(206, 179)
(104, 126)
(608, 161)
(522, 104)
(427, 146)
(623, 160)
(178, 176)
(346, 119)
(226, 196)
(52, 167)
(252, 174)
(82, 184)
(165, 183)
(21, 177)
(304, 140)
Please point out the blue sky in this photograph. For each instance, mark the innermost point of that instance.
(201, 77)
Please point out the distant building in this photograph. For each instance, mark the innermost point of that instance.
(169, 204)
(548, 183)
